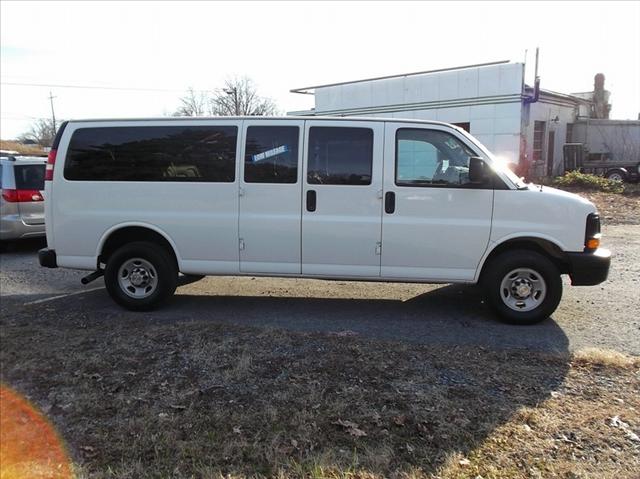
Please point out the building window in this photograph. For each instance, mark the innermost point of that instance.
(539, 129)
(340, 156)
(569, 137)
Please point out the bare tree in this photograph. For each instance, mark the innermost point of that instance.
(194, 103)
(41, 131)
(239, 97)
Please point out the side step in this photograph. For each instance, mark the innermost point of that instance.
(92, 277)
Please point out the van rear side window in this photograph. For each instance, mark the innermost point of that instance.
(271, 154)
(340, 156)
(153, 153)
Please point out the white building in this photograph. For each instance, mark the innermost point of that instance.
(526, 126)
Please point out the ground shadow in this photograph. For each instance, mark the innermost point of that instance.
(27, 245)
(451, 314)
(246, 384)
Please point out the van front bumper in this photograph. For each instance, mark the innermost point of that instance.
(589, 269)
(47, 258)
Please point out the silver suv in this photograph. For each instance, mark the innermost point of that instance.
(22, 201)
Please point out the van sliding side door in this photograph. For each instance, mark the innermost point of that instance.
(342, 198)
(270, 196)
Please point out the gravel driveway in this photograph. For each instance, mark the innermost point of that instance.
(600, 316)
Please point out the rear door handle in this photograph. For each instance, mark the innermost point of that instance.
(389, 202)
(311, 200)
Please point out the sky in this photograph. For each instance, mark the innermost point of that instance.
(138, 58)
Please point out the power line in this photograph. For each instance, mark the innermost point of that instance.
(95, 87)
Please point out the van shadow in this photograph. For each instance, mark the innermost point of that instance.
(451, 314)
(284, 386)
(425, 379)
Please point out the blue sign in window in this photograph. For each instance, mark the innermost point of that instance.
(269, 153)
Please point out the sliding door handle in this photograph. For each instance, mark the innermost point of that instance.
(389, 202)
(311, 200)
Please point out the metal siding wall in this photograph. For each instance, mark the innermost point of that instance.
(491, 97)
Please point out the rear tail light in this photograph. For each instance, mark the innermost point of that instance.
(592, 234)
(51, 163)
(21, 196)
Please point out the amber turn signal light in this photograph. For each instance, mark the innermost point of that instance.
(593, 243)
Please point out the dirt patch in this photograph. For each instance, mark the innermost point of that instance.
(614, 209)
(141, 399)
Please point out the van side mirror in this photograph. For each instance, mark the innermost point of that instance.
(478, 170)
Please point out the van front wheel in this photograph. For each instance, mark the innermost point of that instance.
(140, 275)
(524, 287)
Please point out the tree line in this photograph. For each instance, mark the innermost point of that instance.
(237, 97)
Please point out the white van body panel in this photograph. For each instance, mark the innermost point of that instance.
(200, 218)
(342, 237)
(435, 235)
(544, 212)
(270, 216)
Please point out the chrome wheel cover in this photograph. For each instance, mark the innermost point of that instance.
(137, 278)
(523, 289)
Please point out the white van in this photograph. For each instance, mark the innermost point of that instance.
(334, 198)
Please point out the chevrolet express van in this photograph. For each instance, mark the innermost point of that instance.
(141, 201)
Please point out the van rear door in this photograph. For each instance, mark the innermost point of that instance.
(342, 206)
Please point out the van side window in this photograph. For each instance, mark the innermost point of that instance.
(431, 158)
(271, 154)
(340, 156)
(153, 153)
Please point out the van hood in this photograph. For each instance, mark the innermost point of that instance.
(563, 196)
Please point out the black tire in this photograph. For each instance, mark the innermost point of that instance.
(502, 265)
(165, 278)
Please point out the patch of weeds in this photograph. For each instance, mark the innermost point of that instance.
(589, 182)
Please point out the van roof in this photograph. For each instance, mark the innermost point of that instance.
(284, 118)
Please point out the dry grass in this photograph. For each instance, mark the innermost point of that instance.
(606, 358)
(136, 398)
(20, 148)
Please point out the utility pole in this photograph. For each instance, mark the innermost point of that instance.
(234, 91)
(53, 114)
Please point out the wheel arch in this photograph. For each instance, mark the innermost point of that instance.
(121, 234)
(539, 244)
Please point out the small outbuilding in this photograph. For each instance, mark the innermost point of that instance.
(526, 125)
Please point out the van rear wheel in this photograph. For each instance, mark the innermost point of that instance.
(140, 275)
(523, 287)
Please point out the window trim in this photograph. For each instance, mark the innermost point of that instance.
(331, 125)
(469, 186)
